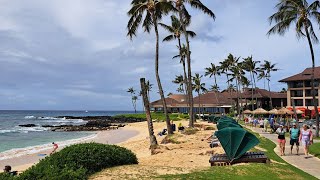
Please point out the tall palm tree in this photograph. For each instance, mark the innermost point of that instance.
(251, 66)
(268, 67)
(148, 88)
(152, 11)
(184, 17)
(262, 75)
(299, 13)
(133, 98)
(198, 87)
(226, 65)
(179, 80)
(213, 71)
(176, 31)
(182, 55)
(237, 74)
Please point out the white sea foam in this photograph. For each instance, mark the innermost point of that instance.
(29, 117)
(19, 129)
(36, 149)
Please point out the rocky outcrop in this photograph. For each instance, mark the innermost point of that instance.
(111, 119)
(27, 125)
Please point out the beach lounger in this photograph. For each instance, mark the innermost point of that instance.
(249, 157)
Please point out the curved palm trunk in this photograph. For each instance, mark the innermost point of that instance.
(190, 96)
(251, 91)
(184, 68)
(158, 77)
(152, 137)
(312, 82)
(238, 105)
(270, 93)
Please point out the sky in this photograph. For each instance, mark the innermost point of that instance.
(75, 55)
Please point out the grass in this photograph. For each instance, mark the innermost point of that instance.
(155, 116)
(315, 149)
(278, 169)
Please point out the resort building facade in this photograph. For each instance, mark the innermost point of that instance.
(299, 93)
(210, 102)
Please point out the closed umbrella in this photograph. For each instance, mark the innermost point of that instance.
(236, 141)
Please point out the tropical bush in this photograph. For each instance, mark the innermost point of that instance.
(79, 161)
(190, 131)
(6, 176)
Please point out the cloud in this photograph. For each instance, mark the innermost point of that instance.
(75, 54)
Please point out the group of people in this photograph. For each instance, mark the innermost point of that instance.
(262, 122)
(297, 136)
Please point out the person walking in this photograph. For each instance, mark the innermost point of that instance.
(306, 139)
(294, 137)
(265, 124)
(281, 139)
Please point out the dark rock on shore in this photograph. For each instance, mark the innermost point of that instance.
(27, 125)
(111, 119)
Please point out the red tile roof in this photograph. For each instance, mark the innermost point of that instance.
(304, 75)
(213, 98)
(260, 93)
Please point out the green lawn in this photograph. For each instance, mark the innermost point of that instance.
(156, 116)
(278, 169)
(315, 149)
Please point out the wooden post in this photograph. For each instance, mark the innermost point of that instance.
(153, 139)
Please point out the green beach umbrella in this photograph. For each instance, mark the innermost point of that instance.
(225, 124)
(236, 141)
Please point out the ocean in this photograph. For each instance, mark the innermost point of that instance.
(19, 140)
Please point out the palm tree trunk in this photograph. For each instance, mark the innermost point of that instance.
(238, 101)
(312, 82)
(152, 137)
(191, 121)
(184, 67)
(135, 106)
(199, 105)
(255, 88)
(158, 77)
(270, 92)
(215, 80)
(132, 102)
(251, 91)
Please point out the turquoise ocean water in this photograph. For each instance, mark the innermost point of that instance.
(15, 138)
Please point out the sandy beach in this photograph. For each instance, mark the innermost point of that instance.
(191, 152)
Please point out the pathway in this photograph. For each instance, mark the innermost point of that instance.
(310, 165)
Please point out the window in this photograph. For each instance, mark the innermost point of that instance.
(309, 92)
(298, 102)
(309, 102)
(296, 93)
(307, 83)
(297, 84)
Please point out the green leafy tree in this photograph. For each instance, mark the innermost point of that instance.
(199, 87)
(182, 55)
(152, 11)
(299, 13)
(185, 17)
(268, 67)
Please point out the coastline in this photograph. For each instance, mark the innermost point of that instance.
(29, 156)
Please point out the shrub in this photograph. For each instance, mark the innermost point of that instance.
(79, 161)
(170, 139)
(209, 128)
(6, 176)
(183, 116)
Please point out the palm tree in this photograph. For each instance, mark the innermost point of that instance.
(262, 75)
(251, 66)
(237, 74)
(184, 17)
(226, 65)
(182, 55)
(133, 98)
(148, 88)
(268, 67)
(198, 87)
(215, 88)
(179, 80)
(213, 71)
(153, 11)
(299, 13)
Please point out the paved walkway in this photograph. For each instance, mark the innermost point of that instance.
(310, 165)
